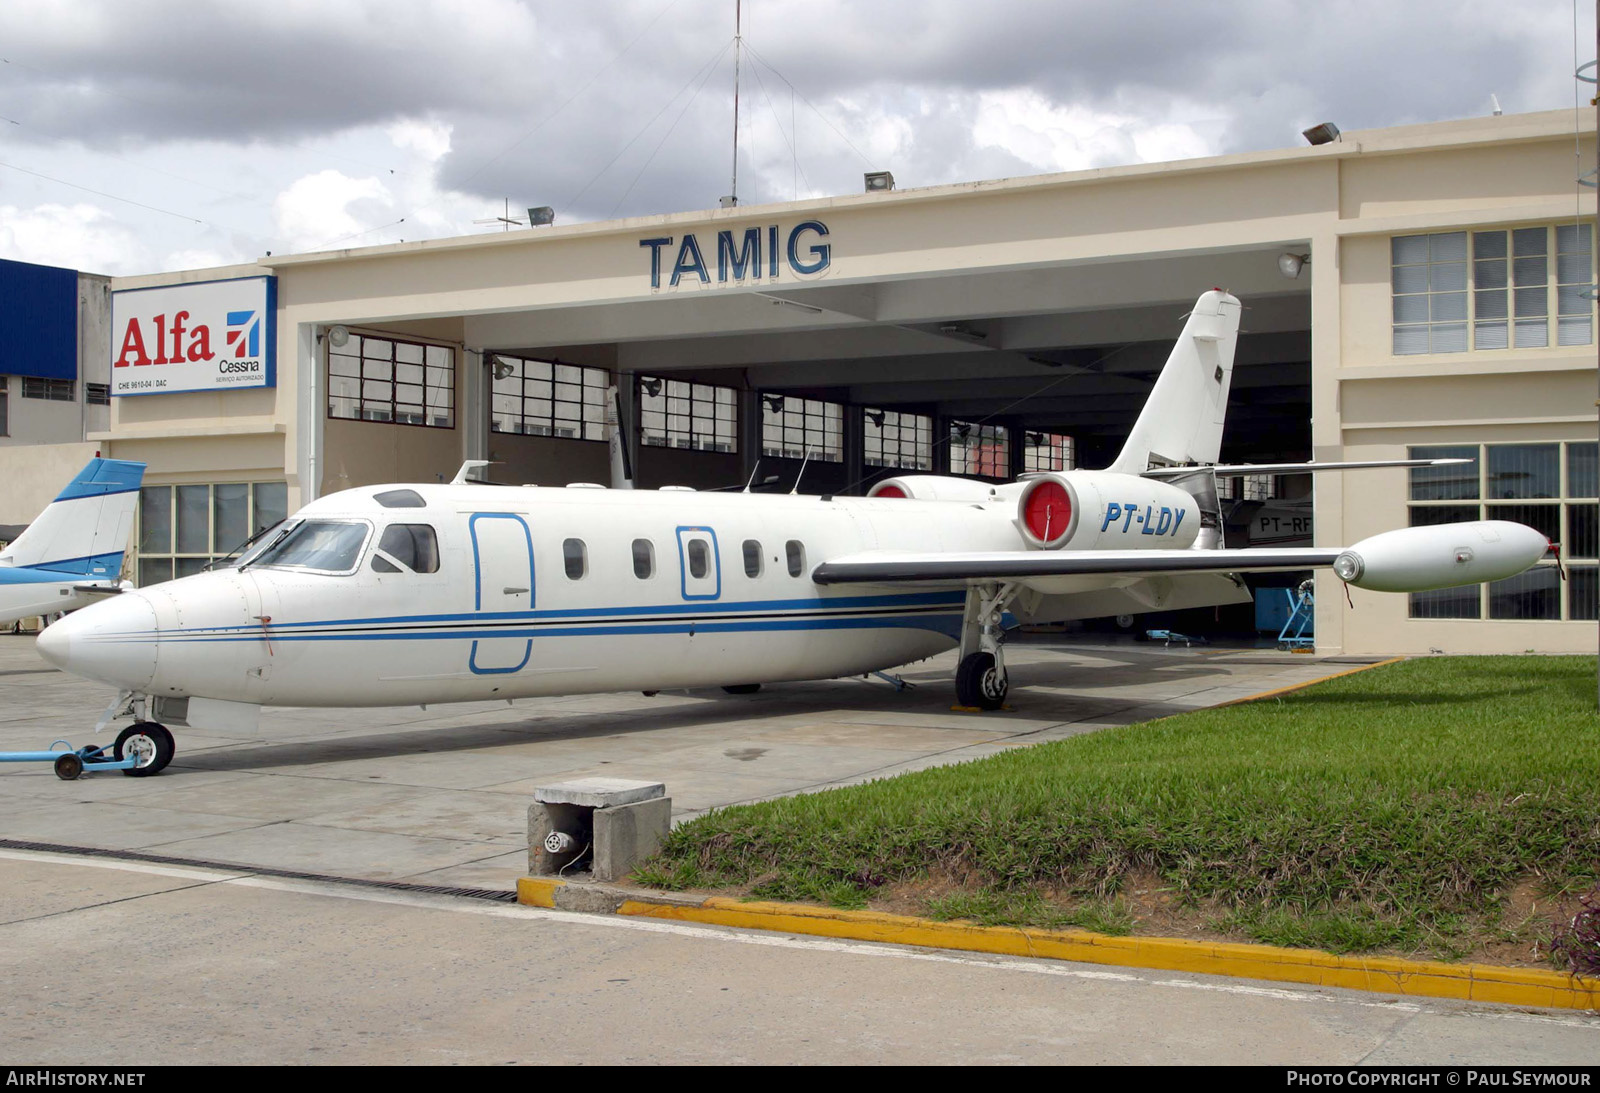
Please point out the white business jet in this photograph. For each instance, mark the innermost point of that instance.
(72, 554)
(413, 594)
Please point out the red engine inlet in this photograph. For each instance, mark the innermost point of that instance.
(1047, 512)
(888, 491)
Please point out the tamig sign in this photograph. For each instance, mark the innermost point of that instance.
(204, 336)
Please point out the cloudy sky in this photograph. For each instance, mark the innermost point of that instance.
(171, 134)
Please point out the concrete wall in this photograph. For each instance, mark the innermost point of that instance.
(35, 474)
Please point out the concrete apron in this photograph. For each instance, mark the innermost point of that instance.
(440, 796)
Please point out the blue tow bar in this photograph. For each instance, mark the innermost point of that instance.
(71, 763)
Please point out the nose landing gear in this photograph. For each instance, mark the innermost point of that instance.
(148, 744)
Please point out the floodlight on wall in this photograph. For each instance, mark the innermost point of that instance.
(1326, 133)
(338, 337)
(728, 201)
(774, 403)
(502, 368)
(652, 387)
(1290, 264)
(878, 181)
(542, 216)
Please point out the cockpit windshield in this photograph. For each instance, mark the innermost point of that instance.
(328, 545)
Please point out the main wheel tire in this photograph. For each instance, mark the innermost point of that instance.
(69, 764)
(981, 682)
(151, 744)
(743, 688)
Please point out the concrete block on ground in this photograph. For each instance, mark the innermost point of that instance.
(599, 792)
(627, 834)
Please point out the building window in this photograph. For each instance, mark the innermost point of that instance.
(383, 379)
(1552, 488)
(1048, 452)
(548, 398)
(53, 390)
(794, 428)
(97, 394)
(5, 408)
(980, 450)
(1496, 284)
(678, 414)
(182, 529)
(891, 439)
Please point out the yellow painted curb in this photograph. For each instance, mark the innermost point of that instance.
(538, 891)
(1387, 975)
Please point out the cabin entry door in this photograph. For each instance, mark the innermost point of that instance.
(502, 558)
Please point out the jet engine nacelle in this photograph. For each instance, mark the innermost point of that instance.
(1099, 510)
(1441, 556)
(933, 487)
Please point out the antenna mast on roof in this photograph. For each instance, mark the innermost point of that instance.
(738, 50)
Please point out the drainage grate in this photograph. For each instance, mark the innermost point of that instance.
(497, 895)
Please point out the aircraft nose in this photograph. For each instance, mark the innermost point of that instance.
(113, 641)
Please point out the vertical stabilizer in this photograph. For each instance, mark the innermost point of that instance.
(85, 529)
(1182, 420)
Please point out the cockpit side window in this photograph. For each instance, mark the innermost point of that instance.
(328, 545)
(412, 546)
(400, 499)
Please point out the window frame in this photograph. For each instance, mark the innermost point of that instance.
(813, 423)
(976, 434)
(590, 419)
(256, 519)
(1062, 447)
(687, 415)
(881, 449)
(1485, 502)
(355, 349)
(1503, 297)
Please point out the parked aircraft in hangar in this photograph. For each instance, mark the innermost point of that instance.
(71, 555)
(406, 594)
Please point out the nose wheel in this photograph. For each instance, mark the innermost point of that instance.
(150, 746)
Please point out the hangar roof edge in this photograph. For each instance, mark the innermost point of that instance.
(1391, 140)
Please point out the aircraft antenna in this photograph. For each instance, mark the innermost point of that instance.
(753, 472)
(802, 473)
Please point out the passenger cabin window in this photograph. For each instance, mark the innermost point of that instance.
(328, 545)
(644, 559)
(797, 557)
(752, 558)
(699, 559)
(575, 556)
(407, 546)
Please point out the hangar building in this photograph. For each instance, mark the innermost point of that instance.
(1423, 290)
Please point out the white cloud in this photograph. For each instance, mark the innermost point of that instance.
(1070, 137)
(81, 236)
(315, 211)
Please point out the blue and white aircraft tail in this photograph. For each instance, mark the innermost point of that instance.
(73, 552)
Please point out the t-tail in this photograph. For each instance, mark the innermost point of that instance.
(85, 529)
(1182, 421)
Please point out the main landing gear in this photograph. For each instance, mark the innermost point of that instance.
(981, 680)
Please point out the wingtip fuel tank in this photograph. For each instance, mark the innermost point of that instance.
(1442, 556)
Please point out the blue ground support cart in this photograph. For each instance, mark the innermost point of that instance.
(1297, 634)
(71, 763)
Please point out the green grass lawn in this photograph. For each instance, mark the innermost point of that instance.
(1390, 809)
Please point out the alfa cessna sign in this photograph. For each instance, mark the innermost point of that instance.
(196, 337)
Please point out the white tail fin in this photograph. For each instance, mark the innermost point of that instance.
(84, 530)
(1182, 421)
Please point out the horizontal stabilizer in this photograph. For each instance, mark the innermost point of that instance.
(1296, 468)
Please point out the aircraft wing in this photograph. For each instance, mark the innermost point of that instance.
(958, 568)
